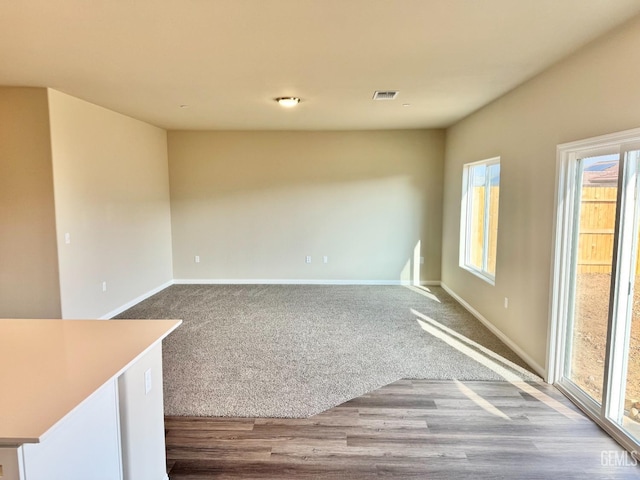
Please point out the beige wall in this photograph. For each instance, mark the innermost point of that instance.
(29, 286)
(252, 205)
(593, 92)
(112, 197)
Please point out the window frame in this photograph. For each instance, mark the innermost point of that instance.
(465, 222)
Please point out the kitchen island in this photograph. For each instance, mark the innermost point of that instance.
(82, 399)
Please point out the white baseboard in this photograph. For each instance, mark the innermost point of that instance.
(497, 332)
(280, 281)
(136, 300)
(260, 281)
(263, 281)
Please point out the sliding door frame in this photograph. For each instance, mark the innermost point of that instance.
(564, 237)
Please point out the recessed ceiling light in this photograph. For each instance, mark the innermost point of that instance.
(288, 101)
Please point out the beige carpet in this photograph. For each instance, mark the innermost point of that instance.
(294, 351)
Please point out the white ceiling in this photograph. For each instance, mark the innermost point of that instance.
(228, 59)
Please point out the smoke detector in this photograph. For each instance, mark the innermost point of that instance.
(385, 94)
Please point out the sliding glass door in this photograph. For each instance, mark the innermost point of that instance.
(595, 349)
(623, 385)
(591, 271)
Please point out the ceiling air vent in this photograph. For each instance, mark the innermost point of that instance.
(385, 94)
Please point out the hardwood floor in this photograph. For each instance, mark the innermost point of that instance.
(411, 429)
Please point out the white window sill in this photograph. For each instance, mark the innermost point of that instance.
(482, 275)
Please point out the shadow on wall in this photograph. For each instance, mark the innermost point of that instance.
(255, 205)
(367, 229)
(252, 161)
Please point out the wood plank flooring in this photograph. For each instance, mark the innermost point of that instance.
(411, 429)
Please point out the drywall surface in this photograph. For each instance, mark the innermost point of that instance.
(254, 205)
(29, 286)
(112, 206)
(142, 418)
(593, 92)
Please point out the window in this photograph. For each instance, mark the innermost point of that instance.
(479, 219)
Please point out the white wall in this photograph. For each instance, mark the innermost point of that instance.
(593, 92)
(112, 197)
(142, 419)
(252, 205)
(29, 286)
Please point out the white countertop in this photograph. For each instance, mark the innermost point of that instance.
(49, 367)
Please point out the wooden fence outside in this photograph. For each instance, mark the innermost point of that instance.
(477, 228)
(597, 224)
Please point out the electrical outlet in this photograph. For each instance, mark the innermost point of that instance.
(104, 286)
(147, 382)
(67, 238)
(325, 259)
(308, 259)
(196, 259)
(506, 302)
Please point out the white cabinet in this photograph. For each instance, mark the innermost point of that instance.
(85, 445)
(142, 419)
(85, 401)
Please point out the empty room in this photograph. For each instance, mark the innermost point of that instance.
(319, 239)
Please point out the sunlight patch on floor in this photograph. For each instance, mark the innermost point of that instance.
(491, 360)
(424, 291)
(481, 402)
